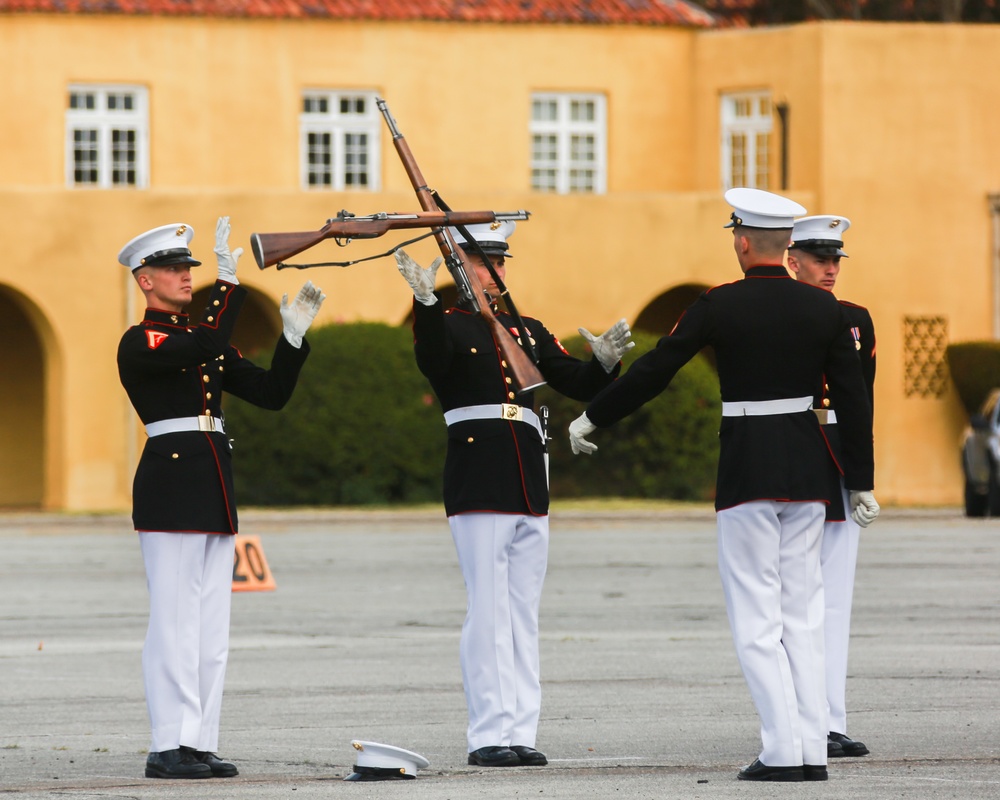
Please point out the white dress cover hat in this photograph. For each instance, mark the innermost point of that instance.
(159, 247)
(755, 208)
(822, 234)
(492, 236)
(383, 762)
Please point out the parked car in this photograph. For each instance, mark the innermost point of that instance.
(981, 459)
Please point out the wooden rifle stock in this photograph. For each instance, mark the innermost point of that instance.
(523, 371)
(273, 248)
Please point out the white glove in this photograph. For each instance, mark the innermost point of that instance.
(611, 345)
(578, 429)
(227, 261)
(864, 509)
(421, 280)
(298, 316)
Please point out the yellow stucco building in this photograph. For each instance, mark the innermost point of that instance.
(619, 138)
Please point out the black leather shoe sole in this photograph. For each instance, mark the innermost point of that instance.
(176, 768)
(849, 748)
(814, 772)
(220, 767)
(529, 756)
(761, 772)
(494, 757)
(173, 774)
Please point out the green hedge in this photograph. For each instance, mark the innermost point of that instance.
(668, 449)
(975, 370)
(364, 428)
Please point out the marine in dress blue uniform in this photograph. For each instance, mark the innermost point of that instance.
(184, 507)
(814, 257)
(774, 340)
(496, 492)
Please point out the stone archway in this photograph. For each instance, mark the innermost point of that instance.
(660, 315)
(257, 326)
(23, 404)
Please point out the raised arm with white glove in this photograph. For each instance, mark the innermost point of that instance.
(611, 345)
(298, 316)
(227, 261)
(578, 429)
(864, 509)
(421, 280)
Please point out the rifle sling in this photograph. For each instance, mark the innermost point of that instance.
(283, 265)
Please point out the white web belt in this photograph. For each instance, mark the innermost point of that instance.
(507, 411)
(767, 408)
(205, 424)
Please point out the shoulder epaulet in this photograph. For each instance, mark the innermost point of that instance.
(849, 304)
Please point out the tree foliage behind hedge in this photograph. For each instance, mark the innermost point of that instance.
(975, 370)
(364, 428)
(668, 449)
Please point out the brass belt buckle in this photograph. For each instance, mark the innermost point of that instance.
(821, 414)
(511, 412)
(206, 424)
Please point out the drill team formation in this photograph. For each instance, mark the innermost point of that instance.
(794, 485)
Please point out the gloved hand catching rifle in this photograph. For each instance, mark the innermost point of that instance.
(421, 280)
(611, 345)
(297, 317)
(227, 261)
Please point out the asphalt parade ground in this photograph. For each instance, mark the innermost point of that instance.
(642, 694)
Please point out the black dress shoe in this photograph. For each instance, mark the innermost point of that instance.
(834, 749)
(762, 772)
(848, 746)
(529, 756)
(175, 764)
(494, 757)
(814, 772)
(220, 768)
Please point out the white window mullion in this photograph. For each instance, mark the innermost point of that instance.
(337, 163)
(562, 158)
(104, 162)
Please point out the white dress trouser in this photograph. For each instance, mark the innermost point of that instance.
(190, 580)
(839, 560)
(769, 563)
(503, 559)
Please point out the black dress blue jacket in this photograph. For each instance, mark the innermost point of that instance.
(171, 369)
(493, 465)
(774, 338)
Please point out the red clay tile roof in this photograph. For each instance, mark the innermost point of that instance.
(581, 12)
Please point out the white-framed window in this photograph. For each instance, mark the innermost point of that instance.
(339, 140)
(569, 143)
(107, 136)
(746, 127)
